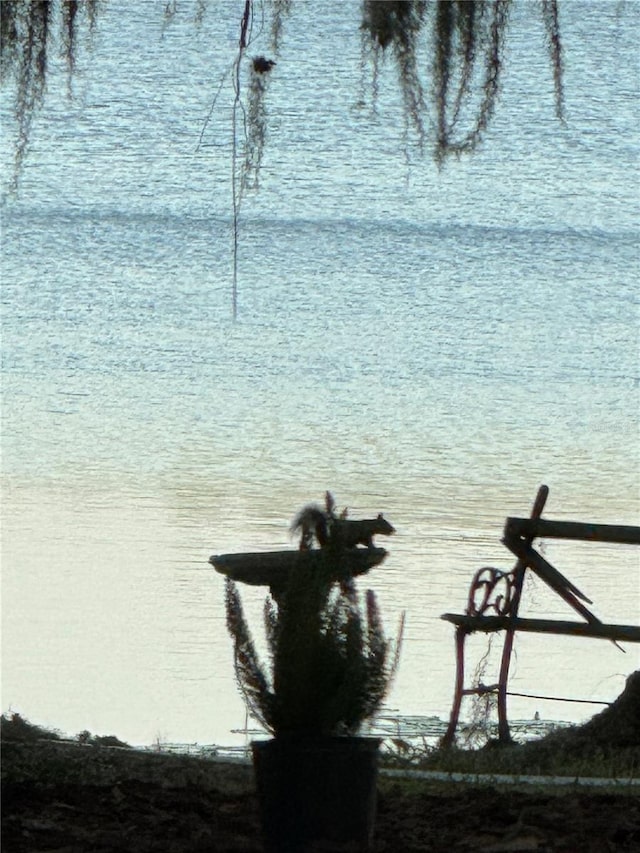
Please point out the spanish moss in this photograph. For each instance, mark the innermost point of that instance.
(465, 37)
(552, 26)
(491, 33)
(26, 42)
(256, 113)
(467, 40)
(449, 57)
(280, 9)
(397, 24)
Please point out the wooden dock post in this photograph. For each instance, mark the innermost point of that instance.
(504, 735)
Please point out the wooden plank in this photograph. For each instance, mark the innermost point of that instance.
(556, 580)
(489, 624)
(546, 528)
(505, 662)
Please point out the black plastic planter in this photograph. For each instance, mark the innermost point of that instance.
(317, 793)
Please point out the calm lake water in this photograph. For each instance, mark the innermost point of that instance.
(433, 345)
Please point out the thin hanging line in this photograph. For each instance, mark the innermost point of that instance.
(559, 698)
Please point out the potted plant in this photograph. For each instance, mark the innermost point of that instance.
(330, 669)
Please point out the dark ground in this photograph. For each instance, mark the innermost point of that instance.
(71, 798)
(92, 797)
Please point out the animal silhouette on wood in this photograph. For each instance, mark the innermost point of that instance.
(323, 526)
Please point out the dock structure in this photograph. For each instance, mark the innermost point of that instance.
(494, 601)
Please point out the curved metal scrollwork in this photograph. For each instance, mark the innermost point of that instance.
(491, 589)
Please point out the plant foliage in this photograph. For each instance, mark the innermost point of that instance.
(331, 665)
(461, 43)
(26, 37)
(465, 39)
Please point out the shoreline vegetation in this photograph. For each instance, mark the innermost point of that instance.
(99, 794)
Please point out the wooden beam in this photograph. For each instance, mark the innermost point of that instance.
(532, 528)
(556, 580)
(489, 624)
(504, 736)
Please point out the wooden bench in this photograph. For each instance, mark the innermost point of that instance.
(494, 601)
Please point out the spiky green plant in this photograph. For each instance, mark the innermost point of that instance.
(331, 664)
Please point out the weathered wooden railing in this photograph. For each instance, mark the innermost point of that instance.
(494, 601)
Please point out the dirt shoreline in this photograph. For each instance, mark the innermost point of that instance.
(96, 795)
(74, 798)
